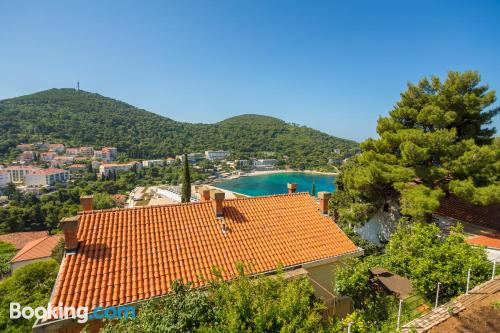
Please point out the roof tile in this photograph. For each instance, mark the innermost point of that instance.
(131, 254)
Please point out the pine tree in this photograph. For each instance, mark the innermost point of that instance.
(435, 140)
(186, 181)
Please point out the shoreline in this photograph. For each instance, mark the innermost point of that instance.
(269, 172)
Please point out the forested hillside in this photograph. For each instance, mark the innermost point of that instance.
(82, 118)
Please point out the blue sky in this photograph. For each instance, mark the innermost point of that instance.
(332, 65)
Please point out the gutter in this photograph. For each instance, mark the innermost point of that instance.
(53, 325)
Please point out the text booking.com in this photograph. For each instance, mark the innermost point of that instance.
(81, 313)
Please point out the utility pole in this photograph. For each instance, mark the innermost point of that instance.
(437, 296)
(468, 281)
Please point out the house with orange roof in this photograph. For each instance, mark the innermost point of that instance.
(20, 239)
(35, 250)
(127, 256)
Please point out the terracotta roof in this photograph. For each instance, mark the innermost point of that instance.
(49, 171)
(126, 255)
(37, 249)
(491, 240)
(20, 239)
(485, 216)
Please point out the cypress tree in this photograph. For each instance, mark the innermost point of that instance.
(313, 189)
(186, 181)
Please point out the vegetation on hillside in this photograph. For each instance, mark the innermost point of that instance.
(434, 141)
(81, 118)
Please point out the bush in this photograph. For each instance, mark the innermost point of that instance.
(30, 286)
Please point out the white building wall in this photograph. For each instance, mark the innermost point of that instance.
(4, 178)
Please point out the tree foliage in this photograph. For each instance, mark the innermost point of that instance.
(264, 304)
(30, 286)
(7, 252)
(420, 252)
(186, 181)
(434, 141)
(81, 118)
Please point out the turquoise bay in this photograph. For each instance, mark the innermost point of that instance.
(275, 183)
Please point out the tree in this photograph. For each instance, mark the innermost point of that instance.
(7, 251)
(30, 286)
(182, 310)
(186, 181)
(58, 251)
(433, 141)
(313, 189)
(103, 201)
(420, 252)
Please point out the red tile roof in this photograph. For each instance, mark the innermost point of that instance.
(37, 249)
(485, 216)
(20, 239)
(491, 240)
(126, 255)
(49, 171)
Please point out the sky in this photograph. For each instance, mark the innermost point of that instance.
(332, 65)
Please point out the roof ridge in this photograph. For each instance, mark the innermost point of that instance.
(93, 211)
(35, 243)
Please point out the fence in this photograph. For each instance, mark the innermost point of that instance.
(418, 304)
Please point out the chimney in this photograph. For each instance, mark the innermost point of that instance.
(218, 197)
(204, 194)
(69, 226)
(87, 203)
(324, 197)
(292, 187)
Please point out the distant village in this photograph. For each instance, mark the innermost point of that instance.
(43, 165)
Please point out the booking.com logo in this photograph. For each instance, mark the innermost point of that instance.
(81, 313)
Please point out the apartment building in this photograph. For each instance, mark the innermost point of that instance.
(18, 172)
(86, 151)
(216, 154)
(106, 168)
(150, 163)
(46, 177)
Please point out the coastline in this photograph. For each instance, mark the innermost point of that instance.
(268, 172)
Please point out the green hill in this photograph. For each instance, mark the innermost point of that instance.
(82, 118)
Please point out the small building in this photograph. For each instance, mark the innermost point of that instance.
(46, 177)
(27, 156)
(60, 161)
(18, 172)
(57, 147)
(216, 154)
(109, 153)
(48, 156)
(150, 163)
(266, 164)
(106, 168)
(170, 161)
(72, 151)
(86, 151)
(192, 157)
(35, 250)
